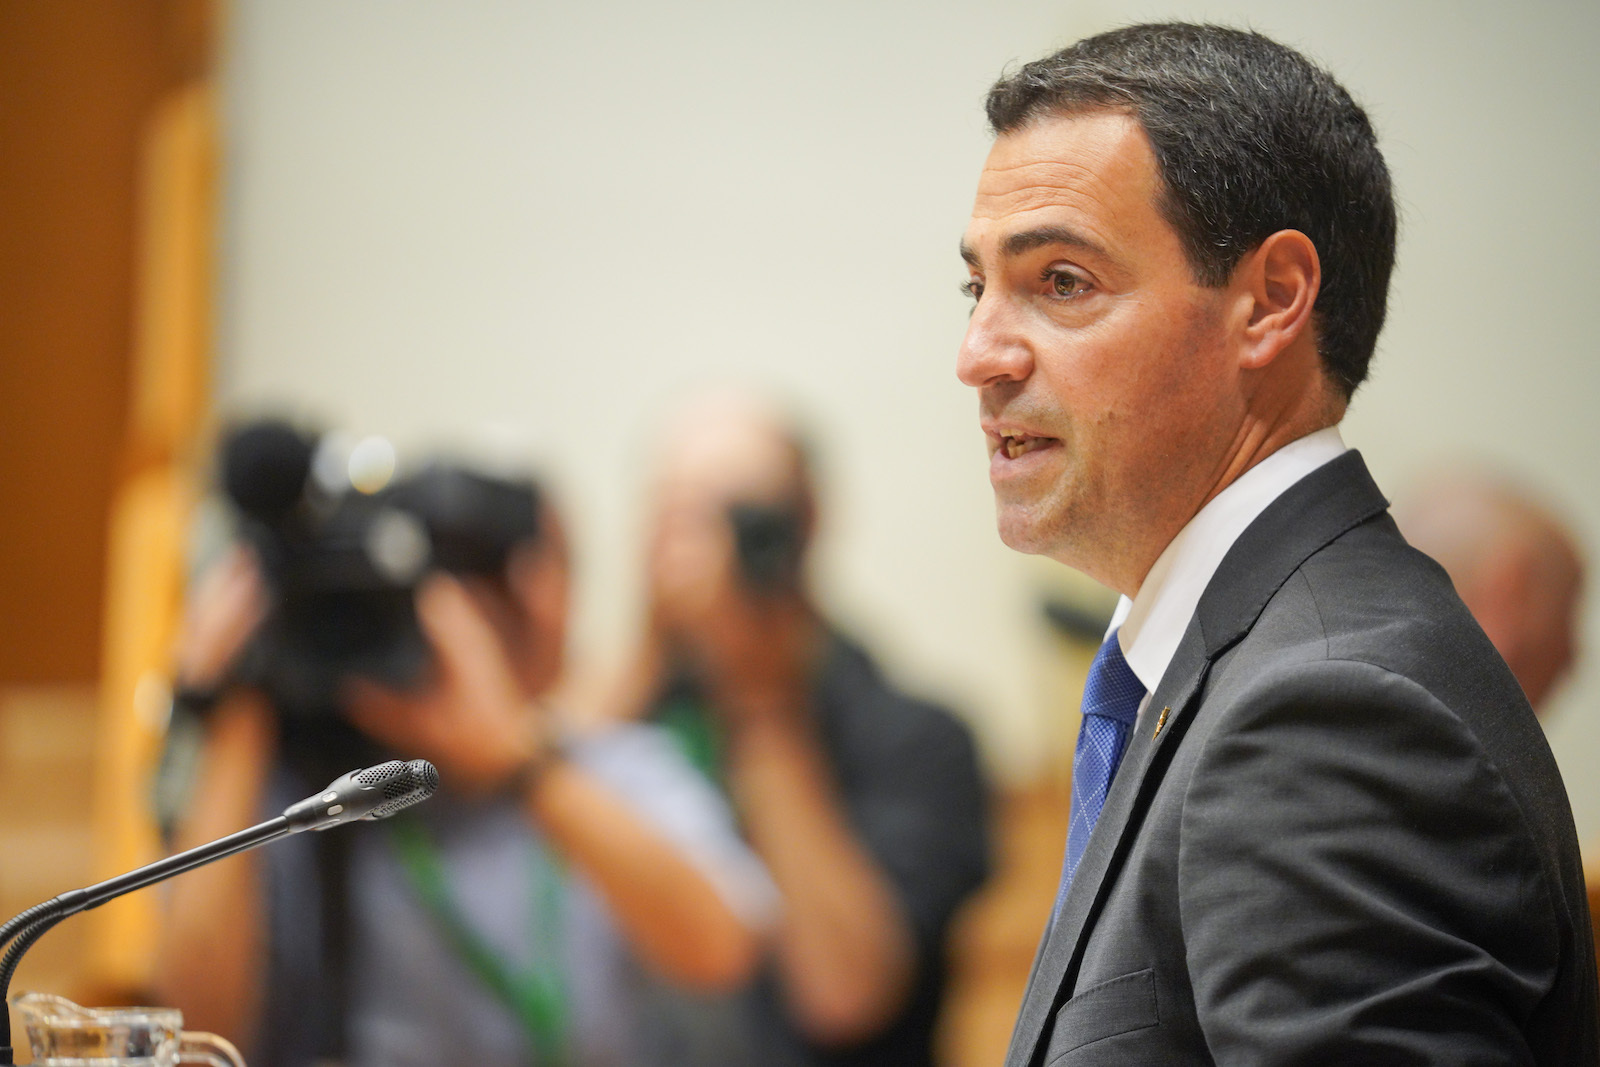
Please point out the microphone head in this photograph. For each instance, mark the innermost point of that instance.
(373, 793)
(417, 782)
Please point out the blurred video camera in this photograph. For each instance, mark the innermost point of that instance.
(343, 550)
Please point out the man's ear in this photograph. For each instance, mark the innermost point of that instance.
(1281, 277)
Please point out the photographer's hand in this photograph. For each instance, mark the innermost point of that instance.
(225, 609)
(471, 719)
(482, 731)
(756, 651)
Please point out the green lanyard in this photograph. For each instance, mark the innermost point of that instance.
(538, 995)
(689, 724)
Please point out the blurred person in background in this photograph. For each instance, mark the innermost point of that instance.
(512, 918)
(1513, 562)
(866, 805)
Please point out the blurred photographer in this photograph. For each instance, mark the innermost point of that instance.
(866, 805)
(1514, 562)
(510, 920)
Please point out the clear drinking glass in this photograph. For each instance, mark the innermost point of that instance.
(62, 1034)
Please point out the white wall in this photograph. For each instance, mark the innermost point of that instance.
(559, 216)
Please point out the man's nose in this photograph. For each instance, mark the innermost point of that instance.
(993, 350)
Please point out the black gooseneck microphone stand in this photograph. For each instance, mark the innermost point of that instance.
(374, 793)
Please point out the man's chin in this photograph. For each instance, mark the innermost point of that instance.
(1022, 532)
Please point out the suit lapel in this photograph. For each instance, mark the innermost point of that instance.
(1307, 517)
(1310, 514)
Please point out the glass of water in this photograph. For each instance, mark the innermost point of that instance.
(63, 1034)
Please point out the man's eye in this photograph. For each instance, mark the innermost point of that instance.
(972, 288)
(1065, 282)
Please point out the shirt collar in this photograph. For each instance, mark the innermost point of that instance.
(1150, 625)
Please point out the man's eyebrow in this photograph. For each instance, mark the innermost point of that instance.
(1027, 240)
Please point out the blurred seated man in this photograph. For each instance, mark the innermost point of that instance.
(1515, 565)
(865, 804)
(509, 920)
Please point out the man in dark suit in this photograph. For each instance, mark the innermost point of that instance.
(1314, 820)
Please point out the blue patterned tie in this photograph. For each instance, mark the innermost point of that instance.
(1111, 699)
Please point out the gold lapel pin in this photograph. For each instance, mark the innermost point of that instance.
(1162, 721)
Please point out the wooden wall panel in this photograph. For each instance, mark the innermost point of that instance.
(107, 192)
(78, 81)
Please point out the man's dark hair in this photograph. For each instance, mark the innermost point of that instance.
(1250, 138)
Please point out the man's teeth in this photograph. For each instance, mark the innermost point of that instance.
(1017, 446)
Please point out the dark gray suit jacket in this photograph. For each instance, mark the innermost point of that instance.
(1348, 844)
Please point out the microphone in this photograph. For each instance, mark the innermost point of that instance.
(373, 793)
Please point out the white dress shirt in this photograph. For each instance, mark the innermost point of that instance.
(1150, 625)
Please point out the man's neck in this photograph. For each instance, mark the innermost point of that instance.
(1154, 620)
(1286, 418)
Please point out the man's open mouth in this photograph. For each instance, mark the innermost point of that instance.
(1014, 445)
